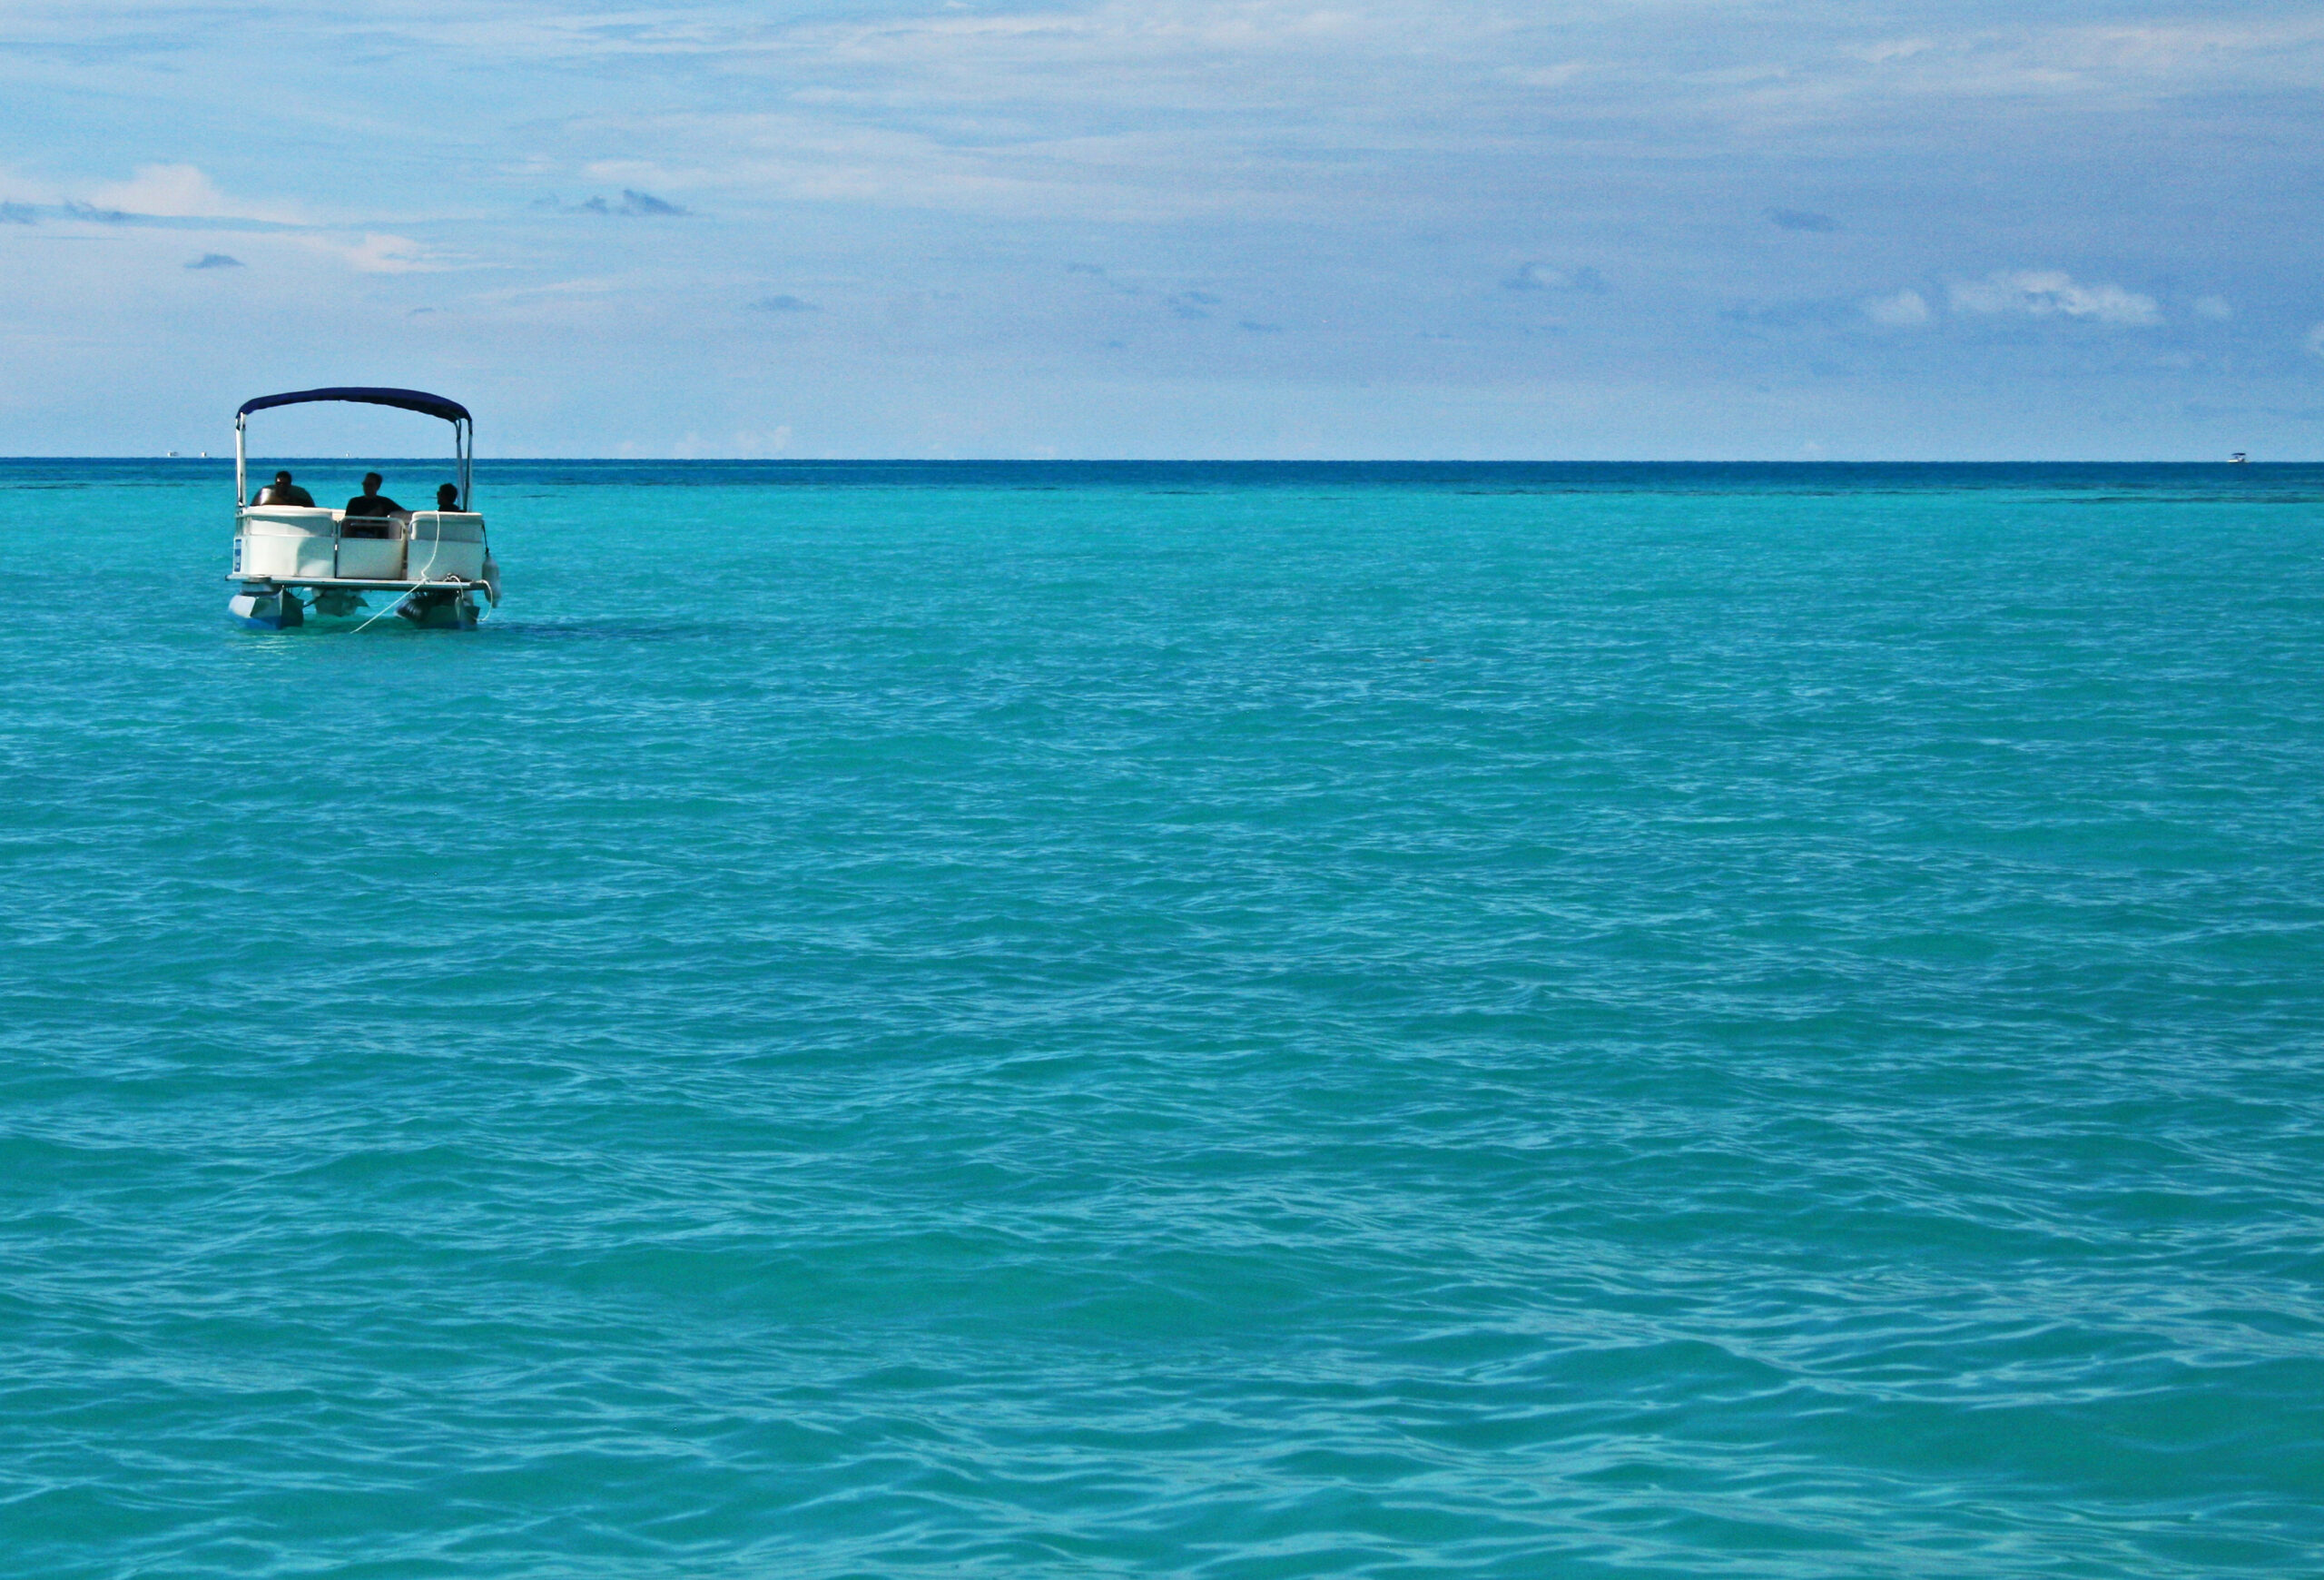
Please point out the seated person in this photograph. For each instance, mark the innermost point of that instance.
(283, 491)
(370, 512)
(448, 497)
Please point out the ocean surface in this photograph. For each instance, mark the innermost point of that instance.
(1228, 1021)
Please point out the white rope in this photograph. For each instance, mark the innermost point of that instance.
(367, 625)
(435, 547)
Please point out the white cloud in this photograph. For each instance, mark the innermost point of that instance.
(377, 254)
(175, 191)
(1907, 307)
(1881, 54)
(2061, 61)
(2213, 307)
(2049, 292)
(179, 192)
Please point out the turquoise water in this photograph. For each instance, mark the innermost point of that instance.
(1238, 1021)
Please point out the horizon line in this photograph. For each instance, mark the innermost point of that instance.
(377, 459)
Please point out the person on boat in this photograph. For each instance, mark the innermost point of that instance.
(367, 514)
(283, 491)
(448, 496)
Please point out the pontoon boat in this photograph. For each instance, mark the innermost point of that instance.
(438, 559)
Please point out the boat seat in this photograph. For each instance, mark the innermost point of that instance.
(448, 526)
(290, 520)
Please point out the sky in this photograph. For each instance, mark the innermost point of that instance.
(1180, 228)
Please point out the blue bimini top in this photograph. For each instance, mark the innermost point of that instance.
(407, 399)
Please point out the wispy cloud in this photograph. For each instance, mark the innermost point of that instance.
(1902, 310)
(1543, 277)
(2049, 292)
(1148, 109)
(215, 261)
(378, 254)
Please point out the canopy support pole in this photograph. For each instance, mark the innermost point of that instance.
(241, 490)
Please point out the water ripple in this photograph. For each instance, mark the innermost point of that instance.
(1382, 1021)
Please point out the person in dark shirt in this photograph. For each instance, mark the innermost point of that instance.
(448, 497)
(370, 501)
(283, 491)
(369, 513)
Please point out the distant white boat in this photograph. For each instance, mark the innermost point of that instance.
(2239, 459)
(438, 559)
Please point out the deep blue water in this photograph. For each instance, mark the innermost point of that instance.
(1052, 1020)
